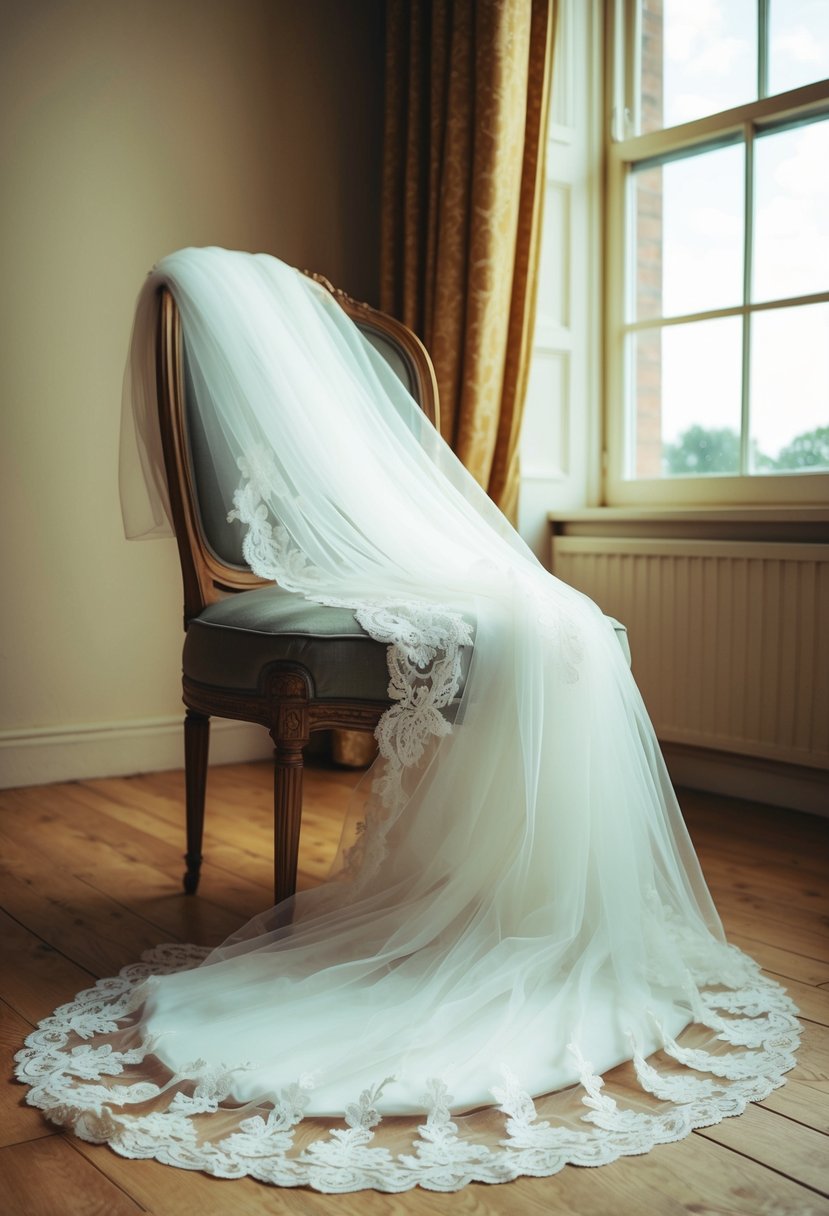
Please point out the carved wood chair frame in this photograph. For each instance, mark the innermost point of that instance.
(284, 700)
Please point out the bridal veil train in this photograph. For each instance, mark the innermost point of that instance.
(521, 909)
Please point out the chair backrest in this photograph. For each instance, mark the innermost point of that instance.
(210, 548)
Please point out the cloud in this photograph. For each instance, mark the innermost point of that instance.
(709, 56)
(713, 222)
(805, 172)
(800, 44)
(719, 58)
(687, 22)
(686, 106)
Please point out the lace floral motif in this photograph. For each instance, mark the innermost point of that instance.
(66, 1083)
(441, 1157)
(424, 651)
(267, 546)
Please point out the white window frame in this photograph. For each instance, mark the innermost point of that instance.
(561, 437)
(622, 152)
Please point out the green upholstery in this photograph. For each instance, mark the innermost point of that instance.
(621, 638)
(393, 355)
(216, 479)
(215, 483)
(230, 642)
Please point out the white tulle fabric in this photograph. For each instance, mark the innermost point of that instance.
(520, 910)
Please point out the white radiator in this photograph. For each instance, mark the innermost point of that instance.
(730, 638)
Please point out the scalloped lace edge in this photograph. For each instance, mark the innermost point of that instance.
(63, 1084)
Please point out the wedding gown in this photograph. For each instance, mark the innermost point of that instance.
(519, 908)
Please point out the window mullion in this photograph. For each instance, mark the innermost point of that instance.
(748, 255)
(738, 310)
(763, 48)
(628, 315)
(633, 112)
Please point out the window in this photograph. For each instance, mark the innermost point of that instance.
(718, 251)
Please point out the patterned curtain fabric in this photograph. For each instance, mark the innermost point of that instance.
(467, 93)
(467, 88)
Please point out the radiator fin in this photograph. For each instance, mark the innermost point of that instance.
(729, 638)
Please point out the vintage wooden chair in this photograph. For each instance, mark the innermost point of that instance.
(253, 651)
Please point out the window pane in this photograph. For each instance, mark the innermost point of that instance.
(689, 234)
(791, 227)
(798, 43)
(698, 57)
(790, 389)
(687, 399)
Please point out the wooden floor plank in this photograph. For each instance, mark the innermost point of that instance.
(729, 817)
(804, 1098)
(794, 864)
(808, 914)
(796, 1152)
(691, 1176)
(48, 1178)
(238, 829)
(804, 1104)
(84, 924)
(789, 964)
(36, 977)
(165, 1190)
(18, 1122)
(236, 801)
(769, 883)
(125, 868)
(756, 919)
(674, 1180)
(125, 864)
(102, 810)
(812, 1002)
(89, 905)
(237, 871)
(813, 1057)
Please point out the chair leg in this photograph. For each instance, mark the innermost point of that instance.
(196, 746)
(287, 814)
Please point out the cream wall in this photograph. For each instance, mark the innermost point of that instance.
(131, 128)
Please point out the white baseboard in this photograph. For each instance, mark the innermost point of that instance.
(787, 785)
(42, 755)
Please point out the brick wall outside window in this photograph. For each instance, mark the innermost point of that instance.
(649, 255)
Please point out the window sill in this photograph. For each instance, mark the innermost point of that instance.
(796, 524)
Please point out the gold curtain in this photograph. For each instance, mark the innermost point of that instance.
(467, 90)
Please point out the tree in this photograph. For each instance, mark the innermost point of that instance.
(807, 451)
(703, 450)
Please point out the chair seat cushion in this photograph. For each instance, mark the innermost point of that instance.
(230, 642)
(621, 637)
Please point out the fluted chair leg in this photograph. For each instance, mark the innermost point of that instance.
(196, 747)
(287, 815)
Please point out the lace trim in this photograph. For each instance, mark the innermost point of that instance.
(424, 650)
(66, 1083)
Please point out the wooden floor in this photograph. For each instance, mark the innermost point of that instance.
(91, 878)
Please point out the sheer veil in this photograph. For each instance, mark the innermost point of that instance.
(521, 910)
